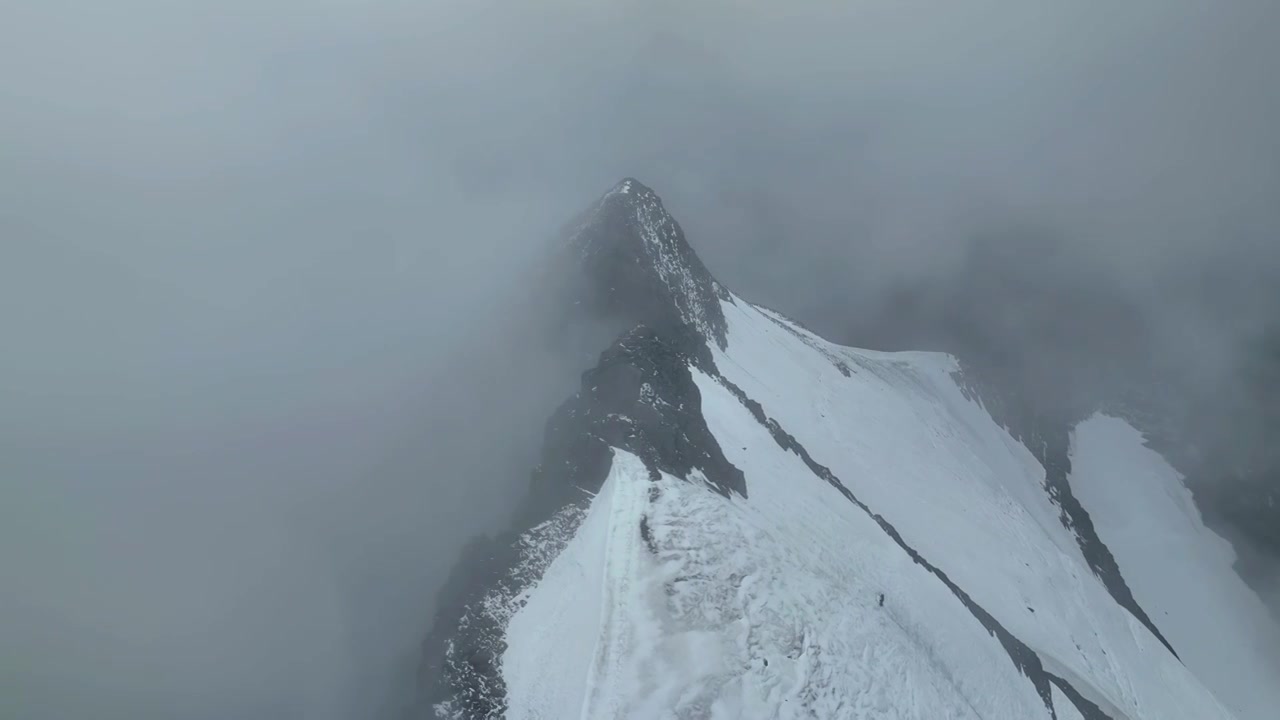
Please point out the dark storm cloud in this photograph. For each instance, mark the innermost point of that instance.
(262, 261)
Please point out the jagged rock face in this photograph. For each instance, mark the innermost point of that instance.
(639, 267)
(759, 523)
(642, 398)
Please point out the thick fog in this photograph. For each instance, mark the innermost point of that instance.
(269, 275)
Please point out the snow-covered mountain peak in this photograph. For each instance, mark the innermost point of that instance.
(639, 266)
(734, 518)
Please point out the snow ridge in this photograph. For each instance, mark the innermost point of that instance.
(482, 694)
(640, 398)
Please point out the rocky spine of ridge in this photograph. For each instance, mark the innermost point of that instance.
(636, 271)
(639, 269)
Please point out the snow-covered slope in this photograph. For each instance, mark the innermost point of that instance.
(737, 519)
(1179, 569)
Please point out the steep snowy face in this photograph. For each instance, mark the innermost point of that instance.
(1179, 569)
(737, 519)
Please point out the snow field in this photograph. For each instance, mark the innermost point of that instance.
(770, 606)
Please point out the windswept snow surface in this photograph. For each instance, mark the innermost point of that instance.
(675, 601)
(760, 609)
(1179, 570)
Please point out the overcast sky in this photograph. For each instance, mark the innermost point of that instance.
(259, 262)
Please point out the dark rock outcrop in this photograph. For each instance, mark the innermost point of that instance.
(639, 269)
